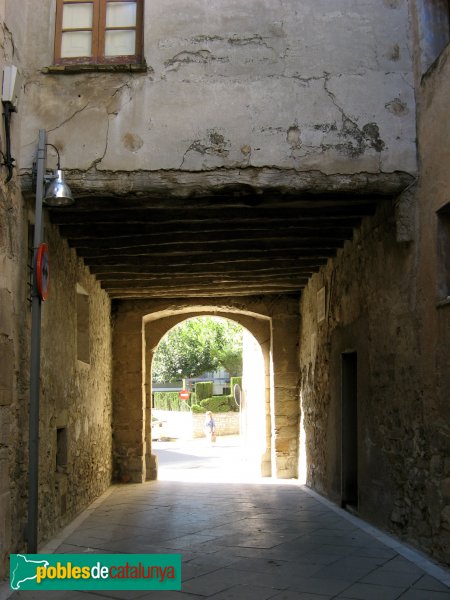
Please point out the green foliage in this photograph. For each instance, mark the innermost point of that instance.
(203, 389)
(197, 346)
(230, 358)
(196, 408)
(234, 381)
(219, 404)
(169, 401)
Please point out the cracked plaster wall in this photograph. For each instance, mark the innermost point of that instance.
(310, 87)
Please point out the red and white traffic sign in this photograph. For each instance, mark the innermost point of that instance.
(183, 395)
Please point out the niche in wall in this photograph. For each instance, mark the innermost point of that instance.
(83, 345)
(61, 449)
(443, 241)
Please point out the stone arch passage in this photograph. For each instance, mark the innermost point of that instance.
(156, 328)
(138, 326)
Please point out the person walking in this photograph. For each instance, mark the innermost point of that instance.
(210, 428)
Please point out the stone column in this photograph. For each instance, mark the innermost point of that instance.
(128, 396)
(286, 405)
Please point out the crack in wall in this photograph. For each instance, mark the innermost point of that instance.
(121, 87)
(97, 161)
(68, 118)
(215, 145)
(257, 40)
(119, 90)
(201, 56)
(7, 43)
(358, 140)
(234, 40)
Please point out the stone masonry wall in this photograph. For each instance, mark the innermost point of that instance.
(226, 424)
(432, 479)
(138, 328)
(75, 400)
(188, 425)
(372, 308)
(13, 304)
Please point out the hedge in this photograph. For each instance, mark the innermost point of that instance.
(234, 381)
(169, 401)
(203, 389)
(219, 404)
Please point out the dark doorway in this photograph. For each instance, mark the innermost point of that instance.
(349, 431)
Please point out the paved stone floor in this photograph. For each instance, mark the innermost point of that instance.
(239, 540)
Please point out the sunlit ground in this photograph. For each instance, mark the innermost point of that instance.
(227, 461)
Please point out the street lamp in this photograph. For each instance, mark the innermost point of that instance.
(56, 193)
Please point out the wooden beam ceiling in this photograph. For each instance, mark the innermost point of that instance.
(140, 247)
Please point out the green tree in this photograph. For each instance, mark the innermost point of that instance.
(197, 346)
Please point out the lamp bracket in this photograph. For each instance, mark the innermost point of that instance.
(8, 160)
(48, 177)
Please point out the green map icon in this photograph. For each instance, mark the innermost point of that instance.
(23, 569)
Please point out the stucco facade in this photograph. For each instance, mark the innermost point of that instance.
(233, 86)
(268, 106)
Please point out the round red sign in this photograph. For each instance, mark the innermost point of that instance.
(183, 395)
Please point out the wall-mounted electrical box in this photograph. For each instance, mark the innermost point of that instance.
(12, 83)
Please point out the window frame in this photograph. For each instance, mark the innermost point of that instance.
(98, 35)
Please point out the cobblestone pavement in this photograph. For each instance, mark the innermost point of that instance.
(239, 540)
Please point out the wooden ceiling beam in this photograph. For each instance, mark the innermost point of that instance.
(218, 201)
(75, 233)
(243, 290)
(332, 234)
(245, 248)
(211, 258)
(242, 267)
(165, 216)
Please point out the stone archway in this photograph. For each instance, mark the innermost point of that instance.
(158, 324)
(138, 328)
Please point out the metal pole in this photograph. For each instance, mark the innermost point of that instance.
(35, 359)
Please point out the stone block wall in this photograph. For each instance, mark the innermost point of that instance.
(226, 424)
(372, 308)
(75, 400)
(187, 425)
(131, 419)
(140, 325)
(432, 470)
(13, 304)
